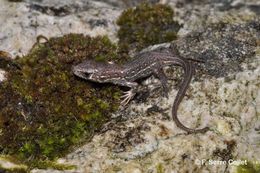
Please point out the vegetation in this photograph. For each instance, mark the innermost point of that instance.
(44, 108)
(146, 25)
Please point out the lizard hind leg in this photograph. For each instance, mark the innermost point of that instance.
(159, 73)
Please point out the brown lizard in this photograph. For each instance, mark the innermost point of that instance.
(146, 64)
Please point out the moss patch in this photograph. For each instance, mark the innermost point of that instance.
(6, 61)
(3, 170)
(160, 168)
(146, 25)
(248, 168)
(44, 108)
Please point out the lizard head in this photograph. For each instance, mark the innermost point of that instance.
(91, 70)
(85, 70)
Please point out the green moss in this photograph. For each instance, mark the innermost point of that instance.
(6, 61)
(14, 170)
(41, 164)
(51, 164)
(248, 168)
(160, 168)
(45, 109)
(13, 166)
(146, 25)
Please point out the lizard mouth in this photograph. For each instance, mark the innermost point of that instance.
(87, 75)
(82, 74)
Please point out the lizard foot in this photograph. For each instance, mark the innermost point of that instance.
(128, 95)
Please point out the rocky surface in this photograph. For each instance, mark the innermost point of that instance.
(22, 22)
(225, 94)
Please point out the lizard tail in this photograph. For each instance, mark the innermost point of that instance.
(189, 70)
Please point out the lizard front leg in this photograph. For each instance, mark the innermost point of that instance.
(159, 73)
(128, 95)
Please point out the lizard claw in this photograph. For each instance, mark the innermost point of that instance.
(128, 95)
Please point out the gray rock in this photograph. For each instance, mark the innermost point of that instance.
(22, 22)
